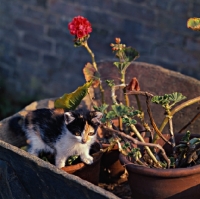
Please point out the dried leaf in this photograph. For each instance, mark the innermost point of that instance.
(91, 74)
(133, 85)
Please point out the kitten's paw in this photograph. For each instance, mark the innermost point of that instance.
(60, 163)
(87, 160)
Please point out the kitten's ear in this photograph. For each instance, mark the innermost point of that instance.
(68, 117)
(96, 117)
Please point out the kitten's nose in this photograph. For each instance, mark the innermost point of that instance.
(84, 141)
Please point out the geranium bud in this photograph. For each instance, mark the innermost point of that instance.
(117, 40)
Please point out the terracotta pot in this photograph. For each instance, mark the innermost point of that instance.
(88, 172)
(152, 183)
(111, 168)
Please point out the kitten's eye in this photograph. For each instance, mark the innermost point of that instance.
(77, 134)
(91, 133)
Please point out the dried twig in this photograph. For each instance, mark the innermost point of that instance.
(139, 93)
(190, 122)
(152, 121)
(135, 141)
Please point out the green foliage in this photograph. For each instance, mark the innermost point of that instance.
(128, 121)
(72, 100)
(71, 159)
(167, 99)
(186, 137)
(120, 110)
(108, 116)
(110, 83)
(126, 56)
(101, 108)
(187, 142)
(126, 145)
(135, 153)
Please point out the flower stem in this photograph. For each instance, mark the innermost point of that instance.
(134, 129)
(178, 108)
(124, 89)
(85, 44)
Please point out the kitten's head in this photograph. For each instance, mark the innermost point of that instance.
(83, 124)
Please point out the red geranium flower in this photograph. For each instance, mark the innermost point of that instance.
(80, 27)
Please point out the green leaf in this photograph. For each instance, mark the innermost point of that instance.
(167, 98)
(72, 100)
(128, 121)
(126, 145)
(131, 54)
(126, 56)
(108, 116)
(119, 65)
(71, 159)
(110, 82)
(194, 23)
(176, 97)
(101, 108)
(120, 110)
(186, 137)
(194, 141)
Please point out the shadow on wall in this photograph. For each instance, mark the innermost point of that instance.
(10, 105)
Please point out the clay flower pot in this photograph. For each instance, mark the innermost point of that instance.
(88, 172)
(155, 183)
(111, 167)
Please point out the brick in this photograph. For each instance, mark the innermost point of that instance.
(134, 12)
(58, 6)
(42, 3)
(97, 17)
(132, 27)
(192, 44)
(51, 61)
(10, 60)
(5, 72)
(72, 54)
(166, 22)
(196, 8)
(175, 55)
(59, 34)
(29, 26)
(8, 33)
(27, 54)
(163, 5)
(40, 16)
(177, 9)
(37, 42)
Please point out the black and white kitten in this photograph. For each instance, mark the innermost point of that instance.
(62, 133)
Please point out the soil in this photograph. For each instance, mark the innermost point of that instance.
(119, 187)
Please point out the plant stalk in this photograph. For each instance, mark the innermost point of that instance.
(176, 109)
(85, 44)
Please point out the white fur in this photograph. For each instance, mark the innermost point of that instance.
(66, 146)
(69, 145)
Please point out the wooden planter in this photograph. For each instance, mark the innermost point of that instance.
(27, 176)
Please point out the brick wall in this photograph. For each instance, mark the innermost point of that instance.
(37, 57)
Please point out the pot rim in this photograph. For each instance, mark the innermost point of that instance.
(168, 173)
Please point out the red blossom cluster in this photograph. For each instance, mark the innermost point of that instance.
(80, 27)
